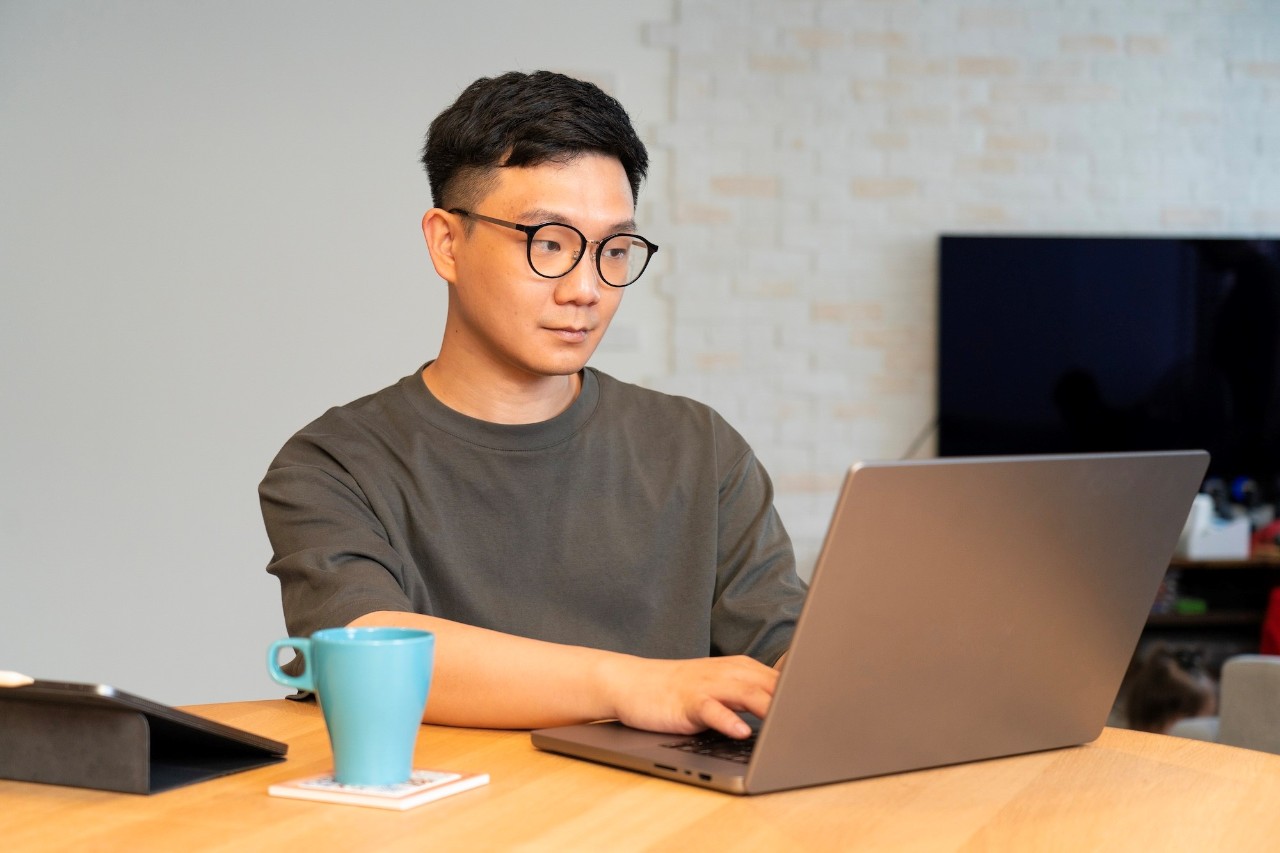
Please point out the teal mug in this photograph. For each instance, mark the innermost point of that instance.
(372, 685)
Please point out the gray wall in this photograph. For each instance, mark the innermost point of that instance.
(209, 233)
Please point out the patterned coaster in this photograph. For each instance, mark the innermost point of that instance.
(424, 786)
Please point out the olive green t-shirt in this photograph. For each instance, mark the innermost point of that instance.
(634, 521)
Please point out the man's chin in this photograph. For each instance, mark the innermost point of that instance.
(564, 370)
(567, 364)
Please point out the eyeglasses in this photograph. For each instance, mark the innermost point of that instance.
(554, 249)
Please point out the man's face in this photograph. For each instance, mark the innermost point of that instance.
(505, 314)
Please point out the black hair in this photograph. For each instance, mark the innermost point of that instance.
(519, 119)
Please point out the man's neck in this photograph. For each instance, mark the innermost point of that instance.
(501, 400)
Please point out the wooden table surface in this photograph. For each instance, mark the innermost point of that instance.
(1126, 791)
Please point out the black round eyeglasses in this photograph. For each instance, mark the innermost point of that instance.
(554, 249)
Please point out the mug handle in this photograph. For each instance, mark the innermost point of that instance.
(303, 647)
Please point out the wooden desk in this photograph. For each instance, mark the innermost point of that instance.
(1126, 791)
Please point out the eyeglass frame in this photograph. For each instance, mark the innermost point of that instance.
(530, 230)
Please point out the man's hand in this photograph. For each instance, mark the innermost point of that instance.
(687, 696)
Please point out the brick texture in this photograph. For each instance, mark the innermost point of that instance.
(816, 149)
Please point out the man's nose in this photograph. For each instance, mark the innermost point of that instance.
(582, 283)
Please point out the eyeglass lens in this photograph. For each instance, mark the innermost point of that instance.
(555, 249)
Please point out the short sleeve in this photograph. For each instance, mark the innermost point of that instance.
(758, 593)
(330, 552)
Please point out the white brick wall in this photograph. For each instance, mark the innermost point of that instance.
(816, 149)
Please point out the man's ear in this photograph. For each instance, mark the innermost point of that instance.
(440, 229)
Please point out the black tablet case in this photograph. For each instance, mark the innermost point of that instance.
(94, 736)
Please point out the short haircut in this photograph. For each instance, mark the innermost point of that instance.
(521, 119)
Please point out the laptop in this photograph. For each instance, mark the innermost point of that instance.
(961, 609)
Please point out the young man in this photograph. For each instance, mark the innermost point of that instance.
(582, 548)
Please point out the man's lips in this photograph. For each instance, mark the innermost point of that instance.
(573, 334)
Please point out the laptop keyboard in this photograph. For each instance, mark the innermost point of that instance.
(717, 745)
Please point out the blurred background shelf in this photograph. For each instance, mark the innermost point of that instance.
(1223, 618)
(1235, 595)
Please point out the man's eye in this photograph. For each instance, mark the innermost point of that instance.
(547, 247)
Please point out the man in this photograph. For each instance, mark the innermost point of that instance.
(582, 548)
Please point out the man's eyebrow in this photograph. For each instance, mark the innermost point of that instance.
(539, 215)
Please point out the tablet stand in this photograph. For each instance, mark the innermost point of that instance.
(113, 749)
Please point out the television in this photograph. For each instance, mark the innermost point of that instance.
(1065, 344)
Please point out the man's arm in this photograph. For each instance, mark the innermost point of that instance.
(490, 679)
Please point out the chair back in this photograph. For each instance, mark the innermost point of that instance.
(1250, 703)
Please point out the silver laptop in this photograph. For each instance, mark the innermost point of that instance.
(960, 609)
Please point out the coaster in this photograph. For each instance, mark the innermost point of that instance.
(423, 786)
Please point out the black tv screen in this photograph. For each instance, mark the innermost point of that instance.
(1063, 344)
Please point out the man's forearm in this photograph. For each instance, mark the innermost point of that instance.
(488, 679)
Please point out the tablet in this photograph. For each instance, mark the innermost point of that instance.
(94, 735)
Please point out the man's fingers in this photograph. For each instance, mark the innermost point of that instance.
(752, 693)
(716, 716)
(753, 701)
